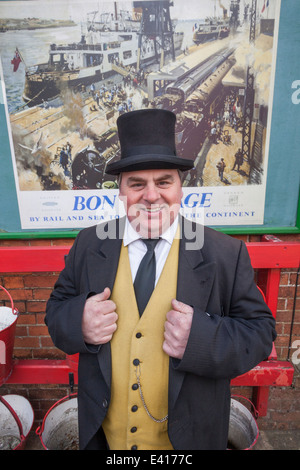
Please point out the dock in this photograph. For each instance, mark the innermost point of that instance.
(40, 132)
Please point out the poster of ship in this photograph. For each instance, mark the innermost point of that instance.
(70, 68)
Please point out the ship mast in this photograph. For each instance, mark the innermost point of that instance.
(156, 24)
(249, 93)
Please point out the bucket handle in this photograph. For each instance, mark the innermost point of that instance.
(39, 431)
(256, 413)
(14, 310)
(16, 417)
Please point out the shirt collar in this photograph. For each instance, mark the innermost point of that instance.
(130, 235)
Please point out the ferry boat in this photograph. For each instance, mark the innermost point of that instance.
(101, 52)
(119, 20)
(212, 29)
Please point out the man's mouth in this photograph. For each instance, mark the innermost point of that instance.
(152, 210)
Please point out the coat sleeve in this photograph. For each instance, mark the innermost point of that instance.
(230, 345)
(65, 308)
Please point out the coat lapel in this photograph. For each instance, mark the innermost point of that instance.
(194, 285)
(102, 265)
(102, 262)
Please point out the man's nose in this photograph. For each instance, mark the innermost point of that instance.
(151, 193)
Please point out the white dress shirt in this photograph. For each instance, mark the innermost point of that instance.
(137, 248)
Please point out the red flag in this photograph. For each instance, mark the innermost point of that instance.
(263, 8)
(16, 60)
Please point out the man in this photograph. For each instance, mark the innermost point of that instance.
(221, 168)
(238, 159)
(156, 376)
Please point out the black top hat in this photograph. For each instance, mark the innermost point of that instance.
(147, 140)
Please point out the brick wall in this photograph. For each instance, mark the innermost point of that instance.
(30, 293)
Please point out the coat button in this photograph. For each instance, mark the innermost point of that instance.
(105, 403)
(133, 429)
(136, 362)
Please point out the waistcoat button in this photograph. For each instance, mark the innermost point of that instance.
(134, 408)
(135, 387)
(133, 429)
(136, 362)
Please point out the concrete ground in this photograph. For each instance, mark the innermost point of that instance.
(278, 440)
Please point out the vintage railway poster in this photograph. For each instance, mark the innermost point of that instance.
(70, 68)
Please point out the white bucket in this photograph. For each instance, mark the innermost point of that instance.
(8, 321)
(243, 429)
(7, 317)
(59, 430)
(16, 420)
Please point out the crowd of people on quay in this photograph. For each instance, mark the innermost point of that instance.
(228, 120)
(118, 96)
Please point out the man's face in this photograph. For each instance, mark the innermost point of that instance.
(151, 199)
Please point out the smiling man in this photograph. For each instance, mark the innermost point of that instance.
(161, 329)
(151, 199)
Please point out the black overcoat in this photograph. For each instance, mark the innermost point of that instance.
(232, 331)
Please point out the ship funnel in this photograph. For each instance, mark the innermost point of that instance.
(224, 10)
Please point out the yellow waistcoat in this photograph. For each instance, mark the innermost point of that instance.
(127, 423)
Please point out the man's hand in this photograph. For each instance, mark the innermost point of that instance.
(177, 329)
(99, 320)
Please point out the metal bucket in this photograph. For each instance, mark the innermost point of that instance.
(8, 320)
(243, 429)
(16, 420)
(59, 429)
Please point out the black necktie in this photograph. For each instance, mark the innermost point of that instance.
(145, 276)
